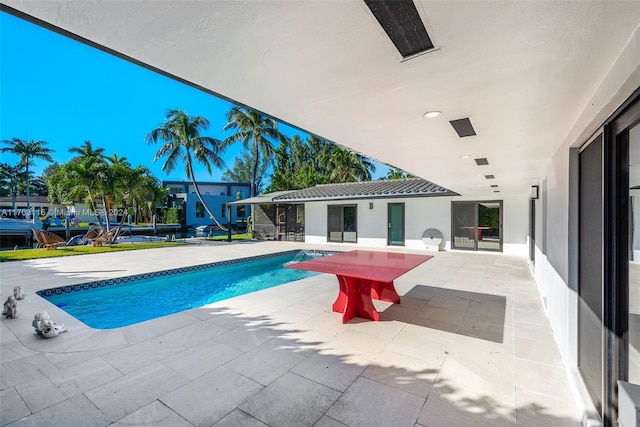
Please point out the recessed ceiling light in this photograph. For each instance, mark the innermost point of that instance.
(432, 114)
(466, 156)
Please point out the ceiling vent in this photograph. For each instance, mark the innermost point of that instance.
(463, 127)
(494, 185)
(402, 23)
(482, 162)
(489, 176)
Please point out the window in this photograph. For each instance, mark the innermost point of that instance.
(342, 223)
(241, 211)
(199, 210)
(223, 211)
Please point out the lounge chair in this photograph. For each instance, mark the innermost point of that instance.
(47, 240)
(91, 234)
(103, 238)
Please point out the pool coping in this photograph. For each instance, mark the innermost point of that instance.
(44, 293)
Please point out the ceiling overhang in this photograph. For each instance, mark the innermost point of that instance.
(522, 72)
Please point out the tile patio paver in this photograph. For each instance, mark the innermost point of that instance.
(13, 407)
(77, 411)
(155, 414)
(370, 403)
(128, 393)
(291, 401)
(239, 418)
(209, 398)
(469, 344)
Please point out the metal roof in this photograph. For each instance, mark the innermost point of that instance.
(393, 188)
(264, 199)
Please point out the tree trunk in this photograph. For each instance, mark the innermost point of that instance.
(27, 181)
(106, 212)
(117, 233)
(13, 200)
(95, 210)
(195, 186)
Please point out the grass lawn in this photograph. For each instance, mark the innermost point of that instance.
(243, 236)
(24, 254)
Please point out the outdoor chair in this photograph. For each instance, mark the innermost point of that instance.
(103, 238)
(91, 234)
(47, 240)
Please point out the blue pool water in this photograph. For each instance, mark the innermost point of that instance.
(120, 304)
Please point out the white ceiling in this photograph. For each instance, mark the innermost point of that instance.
(521, 71)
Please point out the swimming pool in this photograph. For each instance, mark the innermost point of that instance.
(115, 303)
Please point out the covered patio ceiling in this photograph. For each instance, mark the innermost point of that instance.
(522, 72)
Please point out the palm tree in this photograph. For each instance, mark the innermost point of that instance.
(183, 143)
(10, 177)
(347, 166)
(27, 151)
(395, 173)
(78, 180)
(86, 150)
(116, 170)
(255, 131)
(135, 187)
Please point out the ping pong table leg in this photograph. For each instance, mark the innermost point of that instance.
(354, 299)
(346, 301)
(340, 303)
(384, 291)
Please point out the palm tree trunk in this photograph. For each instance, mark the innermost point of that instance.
(253, 182)
(117, 233)
(106, 212)
(95, 210)
(27, 181)
(195, 186)
(13, 200)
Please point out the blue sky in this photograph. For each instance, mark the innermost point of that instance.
(64, 92)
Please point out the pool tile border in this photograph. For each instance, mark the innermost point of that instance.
(128, 279)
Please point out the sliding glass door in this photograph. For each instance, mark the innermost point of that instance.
(590, 275)
(633, 299)
(342, 223)
(477, 225)
(609, 260)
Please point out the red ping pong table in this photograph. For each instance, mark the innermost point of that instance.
(363, 275)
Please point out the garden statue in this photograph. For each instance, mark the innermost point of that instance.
(18, 292)
(10, 308)
(37, 320)
(45, 327)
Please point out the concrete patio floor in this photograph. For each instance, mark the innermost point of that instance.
(468, 345)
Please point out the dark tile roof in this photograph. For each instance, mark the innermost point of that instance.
(392, 188)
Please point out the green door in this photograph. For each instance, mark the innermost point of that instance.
(395, 234)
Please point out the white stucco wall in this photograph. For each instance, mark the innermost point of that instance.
(420, 215)
(555, 254)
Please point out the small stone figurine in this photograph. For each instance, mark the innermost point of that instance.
(45, 327)
(18, 292)
(10, 308)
